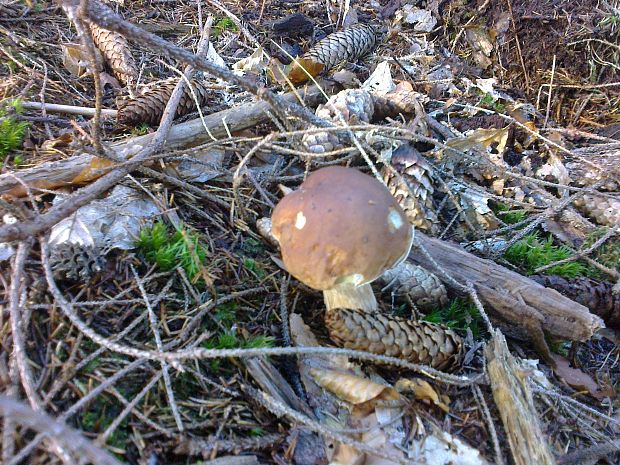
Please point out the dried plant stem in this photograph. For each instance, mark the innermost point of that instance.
(28, 448)
(164, 366)
(103, 437)
(43, 423)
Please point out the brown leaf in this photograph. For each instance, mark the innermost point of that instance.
(302, 68)
(422, 390)
(576, 378)
(351, 388)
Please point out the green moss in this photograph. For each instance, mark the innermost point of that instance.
(171, 249)
(140, 130)
(607, 254)
(226, 313)
(489, 102)
(229, 339)
(11, 131)
(460, 315)
(532, 252)
(224, 24)
(509, 216)
(252, 265)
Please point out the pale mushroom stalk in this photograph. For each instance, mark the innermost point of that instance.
(350, 296)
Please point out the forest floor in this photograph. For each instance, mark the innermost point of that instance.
(157, 324)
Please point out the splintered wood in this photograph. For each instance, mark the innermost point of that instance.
(514, 401)
(516, 299)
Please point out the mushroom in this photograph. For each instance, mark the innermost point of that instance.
(339, 232)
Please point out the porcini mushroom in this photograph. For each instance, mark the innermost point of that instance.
(339, 232)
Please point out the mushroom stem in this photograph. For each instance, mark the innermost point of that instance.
(351, 297)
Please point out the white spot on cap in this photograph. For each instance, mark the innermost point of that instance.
(300, 221)
(395, 220)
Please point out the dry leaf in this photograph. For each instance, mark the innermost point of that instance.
(351, 388)
(75, 60)
(576, 378)
(422, 390)
(482, 44)
(422, 20)
(255, 63)
(380, 81)
(302, 68)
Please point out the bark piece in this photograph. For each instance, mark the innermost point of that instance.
(514, 401)
(117, 53)
(514, 298)
(85, 167)
(415, 341)
(597, 296)
(149, 107)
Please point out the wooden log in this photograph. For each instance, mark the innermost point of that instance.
(515, 298)
(514, 401)
(85, 167)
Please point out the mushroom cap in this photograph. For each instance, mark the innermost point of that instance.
(341, 226)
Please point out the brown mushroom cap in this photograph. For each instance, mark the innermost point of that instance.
(341, 226)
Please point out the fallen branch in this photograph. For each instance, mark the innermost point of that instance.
(86, 167)
(42, 423)
(514, 401)
(515, 298)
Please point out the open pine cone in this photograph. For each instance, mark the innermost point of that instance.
(149, 107)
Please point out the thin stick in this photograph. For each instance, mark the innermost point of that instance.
(43, 423)
(69, 109)
(164, 366)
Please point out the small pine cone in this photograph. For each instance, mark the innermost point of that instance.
(413, 190)
(117, 53)
(423, 287)
(605, 210)
(149, 107)
(585, 174)
(75, 261)
(597, 296)
(394, 103)
(344, 46)
(415, 341)
(355, 106)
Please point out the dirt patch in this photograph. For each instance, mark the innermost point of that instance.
(571, 44)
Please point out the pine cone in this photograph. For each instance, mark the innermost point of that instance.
(340, 47)
(418, 342)
(584, 174)
(423, 287)
(605, 210)
(75, 261)
(394, 103)
(414, 189)
(354, 105)
(149, 107)
(597, 296)
(117, 53)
